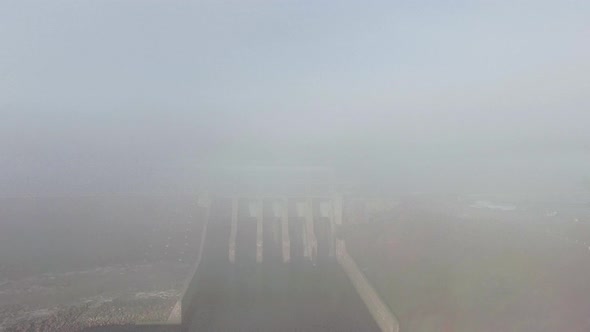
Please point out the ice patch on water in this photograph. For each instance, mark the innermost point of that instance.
(101, 270)
(97, 301)
(41, 313)
(28, 315)
(167, 294)
(483, 204)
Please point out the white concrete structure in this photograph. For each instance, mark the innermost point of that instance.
(330, 209)
(327, 211)
(338, 211)
(281, 212)
(204, 201)
(274, 222)
(255, 208)
(234, 229)
(381, 313)
(301, 213)
(310, 244)
(285, 232)
(312, 239)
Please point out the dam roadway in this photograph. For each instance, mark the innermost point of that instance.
(271, 295)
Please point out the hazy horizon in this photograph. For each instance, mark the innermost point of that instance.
(153, 96)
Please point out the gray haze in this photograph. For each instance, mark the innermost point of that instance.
(152, 95)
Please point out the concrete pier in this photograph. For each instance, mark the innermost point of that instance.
(255, 206)
(327, 212)
(285, 232)
(302, 219)
(312, 240)
(275, 223)
(338, 209)
(233, 230)
(281, 214)
(305, 216)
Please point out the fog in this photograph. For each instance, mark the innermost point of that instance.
(421, 162)
(148, 96)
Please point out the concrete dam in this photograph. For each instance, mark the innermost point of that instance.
(277, 264)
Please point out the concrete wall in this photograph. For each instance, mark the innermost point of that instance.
(381, 313)
(182, 308)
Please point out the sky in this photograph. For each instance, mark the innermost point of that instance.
(150, 95)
